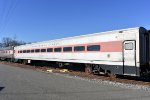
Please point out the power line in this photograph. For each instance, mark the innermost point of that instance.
(7, 12)
(2, 14)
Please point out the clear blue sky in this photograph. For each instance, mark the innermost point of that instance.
(40, 20)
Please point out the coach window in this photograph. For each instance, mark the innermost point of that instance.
(43, 50)
(49, 49)
(67, 49)
(57, 49)
(129, 46)
(37, 50)
(18, 51)
(21, 51)
(79, 48)
(32, 51)
(93, 48)
(28, 51)
(24, 51)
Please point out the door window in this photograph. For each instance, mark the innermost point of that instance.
(129, 46)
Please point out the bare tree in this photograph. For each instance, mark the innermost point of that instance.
(7, 41)
(1, 45)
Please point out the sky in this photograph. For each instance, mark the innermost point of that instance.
(41, 20)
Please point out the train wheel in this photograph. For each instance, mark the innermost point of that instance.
(25, 61)
(88, 68)
(60, 64)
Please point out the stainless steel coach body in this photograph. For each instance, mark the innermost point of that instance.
(121, 51)
(6, 53)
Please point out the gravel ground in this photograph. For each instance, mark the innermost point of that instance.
(26, 84)
(117, 82)
(106, 82)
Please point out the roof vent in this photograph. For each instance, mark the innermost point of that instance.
(120, 31)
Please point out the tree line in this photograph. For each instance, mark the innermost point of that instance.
(8, 41)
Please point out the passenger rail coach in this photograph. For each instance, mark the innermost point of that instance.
(123, 52)
(6, 53)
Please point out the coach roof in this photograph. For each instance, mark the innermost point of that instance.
(99, 33)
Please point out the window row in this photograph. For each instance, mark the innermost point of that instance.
(64, 49)
(4, 51)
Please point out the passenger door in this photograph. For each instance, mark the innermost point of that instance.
(129, 57)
